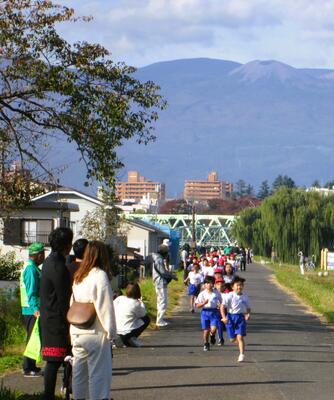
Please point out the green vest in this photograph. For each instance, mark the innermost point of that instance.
(23, 290)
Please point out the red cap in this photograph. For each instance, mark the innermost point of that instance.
(219, 280)
(218, 270)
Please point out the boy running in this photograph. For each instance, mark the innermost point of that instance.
(235, 311)
(209, 301)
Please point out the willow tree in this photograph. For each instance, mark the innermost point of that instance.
(51, 90)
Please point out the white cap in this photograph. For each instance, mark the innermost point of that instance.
(166, 242)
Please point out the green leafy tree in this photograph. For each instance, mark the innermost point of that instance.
(283, 181)
(249, 190)
(316, 184)
(51, 90)
(264, 190)
(241, 188)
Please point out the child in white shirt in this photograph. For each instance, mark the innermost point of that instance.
(209, 300)
(195, 279)
(235, 311)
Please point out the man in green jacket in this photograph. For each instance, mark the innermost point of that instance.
(30, 299)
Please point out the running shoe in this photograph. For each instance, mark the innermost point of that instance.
(220, 343)
(33, 374)
(213, 338)
(163, 323)
(241, 358)
(206, 347)
(135, 342)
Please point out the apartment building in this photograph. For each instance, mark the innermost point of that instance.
(138, 187)
(208, 189)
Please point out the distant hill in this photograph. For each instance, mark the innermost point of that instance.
(252, 121)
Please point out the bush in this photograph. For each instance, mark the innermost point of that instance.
(9, 267)
(12, 327)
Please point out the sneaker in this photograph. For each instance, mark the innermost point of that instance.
(163, 323)
(135, 342)
(220, 343)
(212, 338)
(206, 347)
(241, 358)
(32, 374)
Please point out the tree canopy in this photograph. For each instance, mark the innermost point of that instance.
(287, 221)
(53, 90)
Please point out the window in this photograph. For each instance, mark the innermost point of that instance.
(36, 230)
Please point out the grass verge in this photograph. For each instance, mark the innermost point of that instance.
(8, 394)
(175, 289)
(316, 291)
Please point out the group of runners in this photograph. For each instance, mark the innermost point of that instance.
(215, 288)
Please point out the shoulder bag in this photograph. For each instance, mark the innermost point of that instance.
(81, 315)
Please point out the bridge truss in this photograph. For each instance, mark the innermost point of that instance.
(211, 230)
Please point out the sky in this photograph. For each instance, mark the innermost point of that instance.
(141, 32)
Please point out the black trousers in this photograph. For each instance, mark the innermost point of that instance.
(135, 332)
(243, 265)
(28, 363)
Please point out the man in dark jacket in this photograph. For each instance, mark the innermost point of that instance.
(55, 299)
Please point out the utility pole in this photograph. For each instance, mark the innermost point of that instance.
(193, 226)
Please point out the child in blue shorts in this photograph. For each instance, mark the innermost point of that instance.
(195, 279)
(235, 311)
(209, 301)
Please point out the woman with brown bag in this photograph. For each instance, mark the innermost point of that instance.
(92, 366)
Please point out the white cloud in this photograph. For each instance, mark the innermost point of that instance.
(140, 31)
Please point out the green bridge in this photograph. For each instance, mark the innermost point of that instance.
(210, 230)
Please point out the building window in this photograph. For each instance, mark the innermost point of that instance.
(36, 230)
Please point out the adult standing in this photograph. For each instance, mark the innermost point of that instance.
(301, 262)
(92, 366)
(243, 256)
(55, 298)
(30, 301)
(161, 278)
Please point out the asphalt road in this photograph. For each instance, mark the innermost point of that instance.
(289, 355)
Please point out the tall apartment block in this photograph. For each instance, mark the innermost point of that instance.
(137, 186)
(208, 189)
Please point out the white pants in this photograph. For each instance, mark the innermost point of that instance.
(92, 367)
(162, 298)
(301, 266)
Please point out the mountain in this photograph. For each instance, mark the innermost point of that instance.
(252, 121)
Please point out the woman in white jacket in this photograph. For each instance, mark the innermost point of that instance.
(92, 366)
(131, 318)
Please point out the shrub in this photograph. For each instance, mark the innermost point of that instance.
(9, 267)
(12, 327)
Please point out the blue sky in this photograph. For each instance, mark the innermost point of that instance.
(140, 32)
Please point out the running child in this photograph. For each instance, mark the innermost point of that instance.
(195, 279)
(209, 300)
(235, 311)
(220, 287)
(229, 273)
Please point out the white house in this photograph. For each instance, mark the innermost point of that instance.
(33, 224)
(85, 203)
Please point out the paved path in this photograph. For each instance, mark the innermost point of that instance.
(289, 356)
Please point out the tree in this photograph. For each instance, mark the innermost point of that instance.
(241, 188)
(249, 190)
(51, 90)
(316, 184)
(283, 181)
(264, 190)
(329, 184)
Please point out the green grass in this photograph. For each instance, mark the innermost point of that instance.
(175, 289)
(315, 291)
(8, 394)
(10, 362)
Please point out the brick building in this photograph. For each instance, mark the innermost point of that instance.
(208, 189)
(137, 187)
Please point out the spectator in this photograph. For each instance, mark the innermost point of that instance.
(161, 278)
(30, 301)
(92, 366)
(73, 264)
(131, 318)
(55, 298)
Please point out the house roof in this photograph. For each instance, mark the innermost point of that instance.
(66, 190)
(53, 205)
(145, 225)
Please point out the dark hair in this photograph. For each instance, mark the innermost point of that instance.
(133, 291)
(209, 279)
(238, 279)
(60, 239)
(79, 247)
